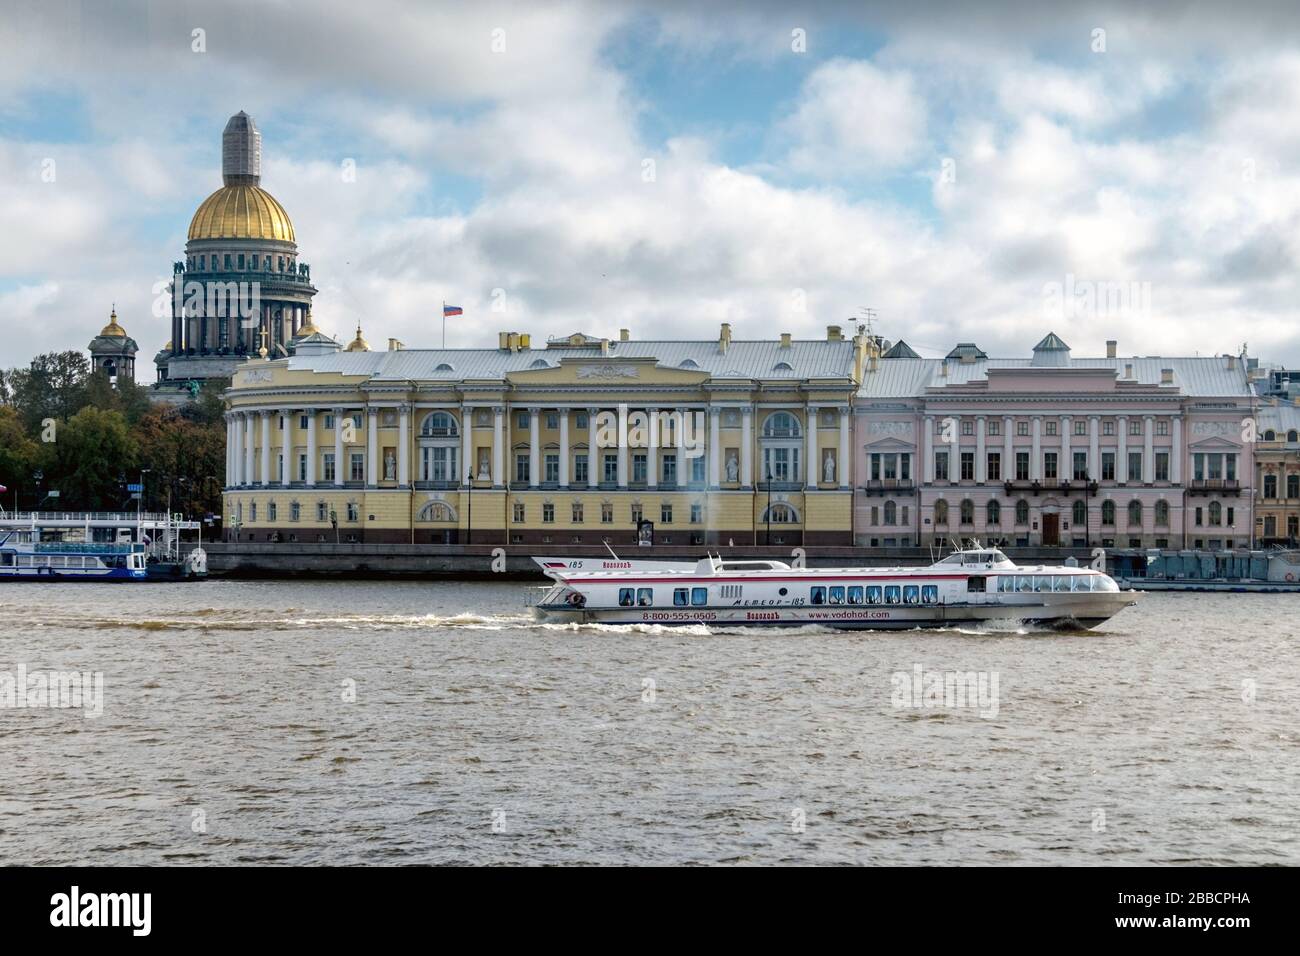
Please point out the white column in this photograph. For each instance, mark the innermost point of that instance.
(498, 446)
(403, 446)
(466, 446)
(812, 463)
(286, 445)
(927, 452)
(1121, 465)
(746, 446)
(230, 449)
(980, 457)
(1008, 449)
(372, 447)
(1094, 448)
(595, 464)
(1065, 470)
(652, 447)
(266, 448)
(311, 447)
(1176, 451)
(1148, 451)
(249, 441)
(1036, 455)
(845, 462)
(338, 448)
(715, 453)
(534, 447)
(564, 447)
(622, 446)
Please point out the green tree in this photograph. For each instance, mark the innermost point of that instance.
(94, 449)
(19, 455)
(53, 386)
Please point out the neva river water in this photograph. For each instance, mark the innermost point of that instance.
(386, 723)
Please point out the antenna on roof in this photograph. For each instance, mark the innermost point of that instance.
(870, 315)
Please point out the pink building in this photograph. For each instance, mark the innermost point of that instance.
(1054, 450)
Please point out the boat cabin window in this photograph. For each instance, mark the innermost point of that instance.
(645, 597)
(818, 595)
(911, 594)
(7, 559)
(628, 597)
(699, 596)
(929, 594)
(893, 594)
(873, 594)
(855, 594)
(681, 597)
(975, 583)
(837, 595)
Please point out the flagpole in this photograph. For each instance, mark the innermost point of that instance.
(444, 323)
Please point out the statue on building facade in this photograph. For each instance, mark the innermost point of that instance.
(733, 468)
(828, 468)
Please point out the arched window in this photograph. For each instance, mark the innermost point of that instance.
(436, 511)
(993, 513)
(1108, 512)
(780, 513)
(782, 367)
(940, 512)
(781, 425)
(444, 367)
(1135, 513)
(1022, 511)
(688, 363)
(1216, 513)
(439, 425)
(539, 363)
(1292, 436)
(1080, 514)
(967, 511)
(891, 512)
(1162, 513)
(1270, 435)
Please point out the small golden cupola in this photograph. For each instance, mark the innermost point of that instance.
(113, 330)
(358, 344)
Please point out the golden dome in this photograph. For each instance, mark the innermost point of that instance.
(307, 328)
(241, 212)
(358, 344)
(113, 329)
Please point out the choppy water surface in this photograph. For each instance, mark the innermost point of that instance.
(477, 736)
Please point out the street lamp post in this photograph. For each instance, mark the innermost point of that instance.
(769, 507)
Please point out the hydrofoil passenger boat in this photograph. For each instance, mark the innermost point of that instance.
(970, 586)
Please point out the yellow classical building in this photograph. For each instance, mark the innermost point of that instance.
(587, 440)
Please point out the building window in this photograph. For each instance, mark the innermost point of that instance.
(1051, 426)
(1162, 514)
(1080, 470)
(1108, 427)
(1270, 486)
(358, 467)
(697, 470)
(1108, 513)
(1108, 466)
(295, 511)
(438, 463)
(781, 463)
(940, 466)
(891, 513)
(1135, 514)
(1049, 466)
(637, 514)
(327, 466)
(669, 476)
(1162, 427)
(666, 514)
(1293, 486)
(995, 427)
(1135, 466)
(1216, 514)
(1079, 514)
(611, 469)
(548, 513)
(552, 473)
(525, 420)
(270, 511)
(1080, 427)
(1135, 426)
(993, 513)
(552, 420)
(252, 512)
(1022, 466)
(329, 421)
(519, 512)
(1022, 428)
(639, 468)
(1022, 511)
(967, 427)
(302, 467)
(354, 511)
(1162, 466)
(940, 511)
(577, 512)
(521, 466)
(606, 513)
(994, 466)
(580, 420)
(968, 466)
(967, 511)
(697, 514)
(580, 469)
(322, 511)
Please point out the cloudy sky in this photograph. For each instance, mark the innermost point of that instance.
(978, 175)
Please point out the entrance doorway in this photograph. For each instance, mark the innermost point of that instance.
(1051, 530)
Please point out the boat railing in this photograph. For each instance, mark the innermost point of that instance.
(67, 547)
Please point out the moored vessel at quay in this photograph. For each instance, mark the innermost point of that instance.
(970, 586)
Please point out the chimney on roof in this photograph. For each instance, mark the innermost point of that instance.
(604, 346)
(943, 369)
(624, 335)
(394, 345)
(1112, 347)
(834, 333)
(503, 340)
(785, 340)
(873, 364)
(724, 339)
(1166, 376)
(1232, 361)
(1128, 370)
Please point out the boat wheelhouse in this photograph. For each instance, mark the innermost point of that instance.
(970, 586)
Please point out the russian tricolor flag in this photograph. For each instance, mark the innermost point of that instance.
(452, 310)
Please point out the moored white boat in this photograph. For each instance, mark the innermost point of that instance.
(26, 560)
(970, 586)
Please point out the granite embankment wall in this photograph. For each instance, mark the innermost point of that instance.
(471, 561)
